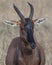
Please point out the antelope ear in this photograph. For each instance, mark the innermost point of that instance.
(12, 23)
(39, 20)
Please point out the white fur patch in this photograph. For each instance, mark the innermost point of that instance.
(41, 20)
(10, 23)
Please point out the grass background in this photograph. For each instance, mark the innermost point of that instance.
(43, 32)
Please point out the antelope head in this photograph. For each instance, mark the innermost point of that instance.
(26, 24)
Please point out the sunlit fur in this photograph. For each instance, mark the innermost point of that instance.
(21, 53)
(25, 50)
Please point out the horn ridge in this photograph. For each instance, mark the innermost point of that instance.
(31, 11)
(19, 13)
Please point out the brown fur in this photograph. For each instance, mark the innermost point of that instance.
(23, 59)
(20, 52)
(25, 50)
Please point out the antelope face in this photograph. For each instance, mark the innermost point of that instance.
(29, 28)
(27, 24)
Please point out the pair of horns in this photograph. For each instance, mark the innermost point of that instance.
(21, 15)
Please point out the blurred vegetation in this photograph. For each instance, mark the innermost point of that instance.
(42, 32)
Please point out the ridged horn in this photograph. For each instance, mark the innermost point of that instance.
(31, 11)
(19, 13)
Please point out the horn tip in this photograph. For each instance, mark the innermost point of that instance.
(28, 3)
(13, 4)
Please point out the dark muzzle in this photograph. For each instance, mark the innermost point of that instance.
(31, 39)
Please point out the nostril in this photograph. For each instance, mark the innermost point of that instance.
(33, 45)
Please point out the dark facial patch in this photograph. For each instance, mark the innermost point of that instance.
(29, 30)
(28, 24)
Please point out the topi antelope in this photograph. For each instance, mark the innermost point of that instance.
(25, 50)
